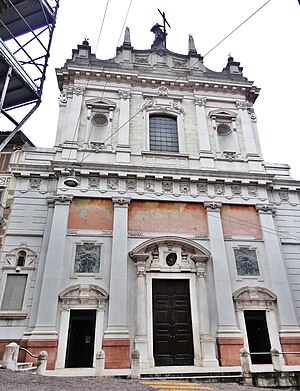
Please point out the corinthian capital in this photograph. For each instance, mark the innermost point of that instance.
(124, 94)
(215, 206)
(199, 101)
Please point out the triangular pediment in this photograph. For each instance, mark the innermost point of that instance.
(223, 113)
(100, 103)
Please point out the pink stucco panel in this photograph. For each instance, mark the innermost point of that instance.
(173, 217)
(240, 220)
(91, 213)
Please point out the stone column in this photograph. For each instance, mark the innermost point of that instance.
(206, 156)
(249, 140)
(141, 340)
(116, 337)
(229, 337)
(44, 335)
(123, 148)
(208, 347)
(288, 329)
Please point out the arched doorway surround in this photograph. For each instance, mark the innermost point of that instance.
(256, 298)
(173, 258)
(80, 297)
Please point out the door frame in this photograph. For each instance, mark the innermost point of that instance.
(71, 337)
(265, 300)
(194, 311)
(80, 297)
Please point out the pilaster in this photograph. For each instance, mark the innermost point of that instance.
(249, 141)
(44, 335)
(276, 269)
(229, 337)
(208, 348)
(123, 148)
(116, 337)
(141, 340)
(206, 156)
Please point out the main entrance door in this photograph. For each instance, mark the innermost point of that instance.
(172, 324)
(258, 336)
(80, 347)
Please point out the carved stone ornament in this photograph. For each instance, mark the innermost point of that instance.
(253, 191)
(219, 189)
(34, 183)
(170, 254)
(185, 188)
(97, 146)
(179, 64)
(121, 201)
(229, 155)
(163, 91)
(236, 190)
(77, 295)
(112, 183)
(253, 297)
(243, 105)
(212, 205)
(173, 106)
(149, 185)
(167, 187)
(131, 184)
(199, 101)
(202, 188)
(63, 99)
(266, 208)
(30, 256)
(76, 90)
(284, 196)
(94, 183)
(124, 94)
(141, 60)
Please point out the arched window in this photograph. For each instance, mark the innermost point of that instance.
(163, 133)
(21, 258)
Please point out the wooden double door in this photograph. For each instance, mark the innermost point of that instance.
(172, 323)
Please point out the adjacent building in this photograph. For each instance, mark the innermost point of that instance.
(175, 237)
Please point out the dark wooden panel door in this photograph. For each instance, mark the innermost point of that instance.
(172, 324)
(258, 336)
(80, 347)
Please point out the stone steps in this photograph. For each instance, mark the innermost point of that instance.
(232, 377)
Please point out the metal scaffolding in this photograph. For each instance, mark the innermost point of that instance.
(26, 31)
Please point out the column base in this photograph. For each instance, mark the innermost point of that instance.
(117, 352)
(141, 344)
(291, 344)
(208, 350)
(229, 350)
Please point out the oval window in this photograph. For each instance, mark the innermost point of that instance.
(171, 259)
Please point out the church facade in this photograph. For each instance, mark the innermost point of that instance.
(175, 237)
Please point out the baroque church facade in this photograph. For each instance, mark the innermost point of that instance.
(175, 237)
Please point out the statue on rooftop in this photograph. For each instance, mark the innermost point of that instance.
(160, 37)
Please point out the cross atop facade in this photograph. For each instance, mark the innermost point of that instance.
(165, 22)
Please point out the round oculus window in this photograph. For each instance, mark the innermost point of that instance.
(99, 119)
(171, 259)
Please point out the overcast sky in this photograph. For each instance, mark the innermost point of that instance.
(266, 47)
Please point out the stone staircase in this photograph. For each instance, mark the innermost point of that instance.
(26, 367)
(224, 377)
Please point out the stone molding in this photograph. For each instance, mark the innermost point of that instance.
(249, 297)
(121, 202)
(90, 295)
(200, 101)
(266, 208)
(213, 206)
